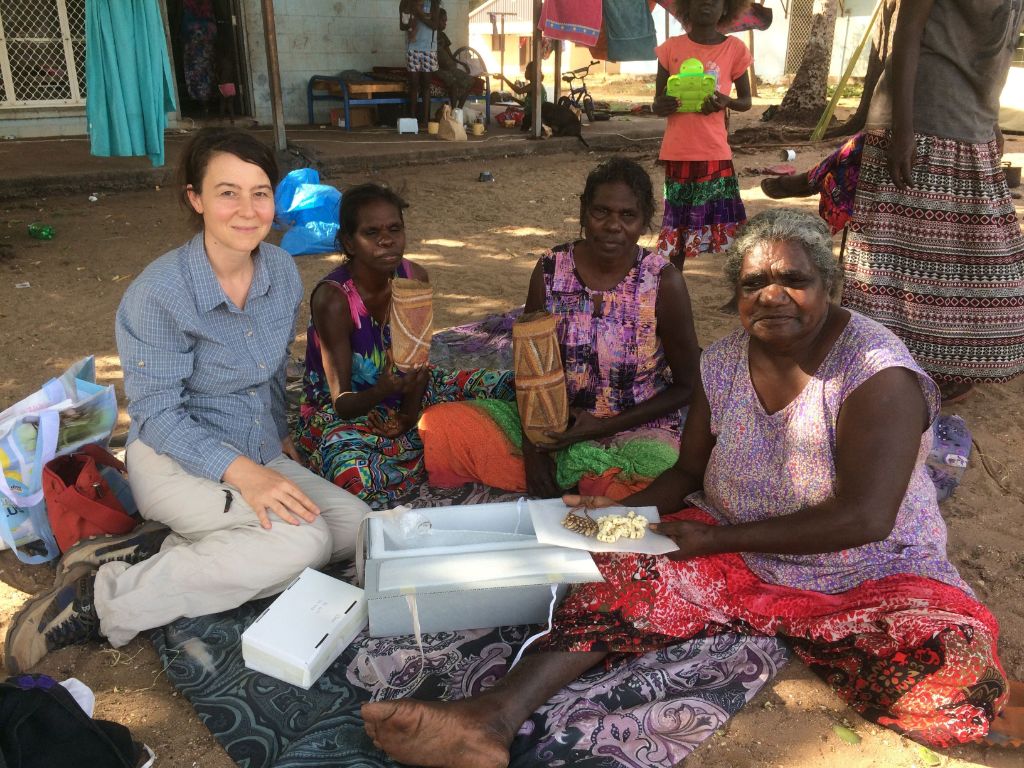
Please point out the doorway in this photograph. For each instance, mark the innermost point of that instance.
(208, 58)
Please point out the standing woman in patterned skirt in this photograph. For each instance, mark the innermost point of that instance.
(935, 250)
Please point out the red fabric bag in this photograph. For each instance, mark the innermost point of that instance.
(79, 501)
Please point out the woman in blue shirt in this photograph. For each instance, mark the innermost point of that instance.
(203, 335)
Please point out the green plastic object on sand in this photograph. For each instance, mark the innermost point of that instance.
(41, 231)
(691, 86)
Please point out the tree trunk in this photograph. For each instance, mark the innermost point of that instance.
(806, 98)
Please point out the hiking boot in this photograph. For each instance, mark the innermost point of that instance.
(63, 615)
(131, 548)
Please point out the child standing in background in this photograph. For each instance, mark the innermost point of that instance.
(702, 195)
(420, 19)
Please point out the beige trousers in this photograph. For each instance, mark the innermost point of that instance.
(216, 558)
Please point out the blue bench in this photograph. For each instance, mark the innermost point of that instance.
(367, 94)
(370, 94)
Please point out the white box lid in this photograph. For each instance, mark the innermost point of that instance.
(302, 617)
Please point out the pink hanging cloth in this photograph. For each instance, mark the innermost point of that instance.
(578, 21)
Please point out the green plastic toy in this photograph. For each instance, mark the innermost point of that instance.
(691, 86)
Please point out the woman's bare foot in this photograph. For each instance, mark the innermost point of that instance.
(456, 734)
(792, 185)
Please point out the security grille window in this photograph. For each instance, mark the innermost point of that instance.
(42, 53)
(801, 15)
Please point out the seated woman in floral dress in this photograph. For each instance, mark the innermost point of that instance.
(357, 416)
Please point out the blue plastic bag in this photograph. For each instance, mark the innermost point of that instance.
(310, 211)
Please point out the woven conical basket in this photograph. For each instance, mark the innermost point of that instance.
(540, 379)
(412, 318)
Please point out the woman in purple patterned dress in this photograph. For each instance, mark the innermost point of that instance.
(806, 512)
(625, 333)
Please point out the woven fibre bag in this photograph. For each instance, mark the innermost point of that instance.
(449, 128)
(412, 319)
(540, 380)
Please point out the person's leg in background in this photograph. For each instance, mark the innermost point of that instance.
(424, 90)
(411, 64)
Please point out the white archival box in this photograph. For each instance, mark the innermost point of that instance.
(480, 566)
(305, 629)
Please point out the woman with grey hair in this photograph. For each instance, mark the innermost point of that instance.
(801, 508)
(784, 225)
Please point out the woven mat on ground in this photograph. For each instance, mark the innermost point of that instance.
(484, 344)
(648, 712)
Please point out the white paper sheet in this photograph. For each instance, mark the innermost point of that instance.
(547, 516)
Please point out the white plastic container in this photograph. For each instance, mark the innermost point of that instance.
(408, 125)
(305, 629)
(473, 111)
(500, 576)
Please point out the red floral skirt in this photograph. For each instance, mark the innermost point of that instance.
(910, 653)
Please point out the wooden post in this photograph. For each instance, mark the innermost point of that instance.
(274, 75)
(537, 82)
(557, 92)
(753, 75)
(501, 45)
(176, 119)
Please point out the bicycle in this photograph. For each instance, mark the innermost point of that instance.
(579, 97)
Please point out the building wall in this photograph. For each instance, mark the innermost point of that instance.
(316, 37)
(328, 36)
(313, 37)
(26, 123)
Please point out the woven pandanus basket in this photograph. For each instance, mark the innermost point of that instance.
(412, 318)
(540, 380)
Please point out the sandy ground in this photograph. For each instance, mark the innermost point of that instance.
(479, 241)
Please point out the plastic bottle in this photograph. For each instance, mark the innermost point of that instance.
(41, 231)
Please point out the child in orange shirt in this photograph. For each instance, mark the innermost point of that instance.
(702, 195)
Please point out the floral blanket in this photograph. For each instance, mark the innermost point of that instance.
(649, 712)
